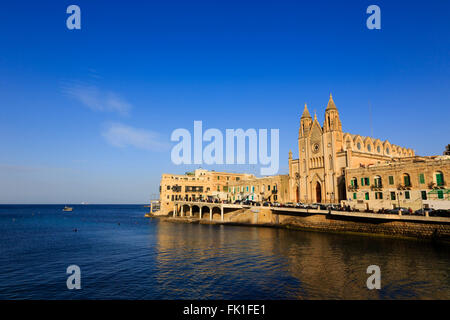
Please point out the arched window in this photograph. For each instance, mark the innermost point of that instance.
(378, 149)
(358, 145)
(354, 182)
(406, 180)
(377, 181)
(439, 178)
(387, 150)
(369, 148)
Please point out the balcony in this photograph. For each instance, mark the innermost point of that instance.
(376, 187)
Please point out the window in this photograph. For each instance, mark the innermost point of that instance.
(362, 181)
(421, 178)
(367, 196)
(366, 182)
(440, 194)
(439, 179)
(377, 181)
(168, 187)
(406, 180)
(354, 195)
(268, 188)
(387, 150)
(424, 195)
(392, 195)
(378, 195)
(407, 195)
(378, 149)
(358, 145)
(369, 148)
(391, 179)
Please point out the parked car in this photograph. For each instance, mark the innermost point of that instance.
(289, 204)
(422, 212)
(276, 204)
(440, 213)
(404, 211)
(267, 204)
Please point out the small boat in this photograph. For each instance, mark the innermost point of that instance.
(66, 208)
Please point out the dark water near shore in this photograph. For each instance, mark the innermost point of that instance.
(123, 255)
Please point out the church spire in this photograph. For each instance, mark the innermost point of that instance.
(332, 121)
(331, 104)
(305, 123)
(305, 113)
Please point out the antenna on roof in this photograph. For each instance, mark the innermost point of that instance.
(370, 118)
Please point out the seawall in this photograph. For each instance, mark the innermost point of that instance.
(433, 228)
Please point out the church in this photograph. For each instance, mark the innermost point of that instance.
(325, 152)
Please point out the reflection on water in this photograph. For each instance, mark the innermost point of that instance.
(123, 255)
(261, 263)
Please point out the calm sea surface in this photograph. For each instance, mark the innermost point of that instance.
(123, 255)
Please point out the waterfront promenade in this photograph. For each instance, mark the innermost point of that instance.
(185, 208)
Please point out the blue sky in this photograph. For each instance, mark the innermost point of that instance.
(86, 115)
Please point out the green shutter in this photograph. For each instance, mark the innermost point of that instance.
(367, 196)
(440, 194)
(439, 179)
(406, 180)
(424, 195)
(391, 180)
(352, 182)
(421, 178)
(406, 194)
(354, 195)
(367, 182)
(362, 181)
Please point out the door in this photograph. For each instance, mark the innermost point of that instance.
(318, 193)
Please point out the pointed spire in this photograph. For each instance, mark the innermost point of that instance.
(305, 113)
(290, 154)
(331, 104)
(315, 115)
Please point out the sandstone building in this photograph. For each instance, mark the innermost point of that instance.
(333, 167)
(325, 152)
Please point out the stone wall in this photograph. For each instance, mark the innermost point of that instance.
(342, 224)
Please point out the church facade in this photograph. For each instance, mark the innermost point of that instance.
(326, 152)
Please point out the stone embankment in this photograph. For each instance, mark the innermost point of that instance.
(427, 228)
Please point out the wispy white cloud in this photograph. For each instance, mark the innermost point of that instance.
(94, 98)
(120, 135)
